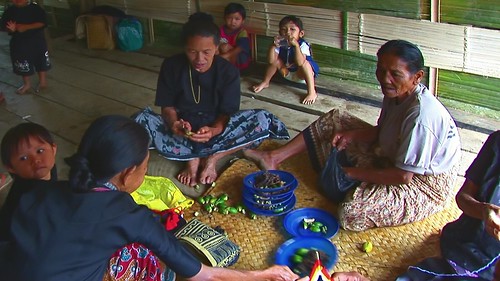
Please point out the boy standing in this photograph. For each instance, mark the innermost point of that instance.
(291, 54)
(28, 48)
(235, 43)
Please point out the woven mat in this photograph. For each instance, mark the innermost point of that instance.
(394, 247)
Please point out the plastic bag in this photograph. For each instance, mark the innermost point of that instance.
(333, 180)
(129, 34)
(160, 193)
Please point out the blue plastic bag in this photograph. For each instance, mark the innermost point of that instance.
(129, 34)
(333, 180)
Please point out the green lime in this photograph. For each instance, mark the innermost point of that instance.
(296, 259)
(302, 251)
(315, 228)
(367, 246)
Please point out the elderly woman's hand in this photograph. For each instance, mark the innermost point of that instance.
(341, 140)
(492, 220)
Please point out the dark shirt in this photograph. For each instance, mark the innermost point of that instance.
(465, 241)
(33, 38)
(219, 90)
(62, 235)
(17, 190)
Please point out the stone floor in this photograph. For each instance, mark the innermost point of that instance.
(85, 84)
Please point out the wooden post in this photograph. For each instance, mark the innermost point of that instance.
(433, 71)
(151, 31)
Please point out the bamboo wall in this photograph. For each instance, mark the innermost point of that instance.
(346, 34)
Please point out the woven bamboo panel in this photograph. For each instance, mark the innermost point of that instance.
(322, 26)
(394, 248)
(173, 10)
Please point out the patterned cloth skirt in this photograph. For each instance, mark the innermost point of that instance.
(135, 262)
(244, 128)
(377, 205)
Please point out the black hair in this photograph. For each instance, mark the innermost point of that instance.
(200, 24)
(110, 145)
(19, 133)
(296, 20)
(405, 50)
(232, 8)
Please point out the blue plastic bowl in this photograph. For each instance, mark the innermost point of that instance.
(293, 222)
(289, 182)
(266, 200)
(259, 210)
(288, 249)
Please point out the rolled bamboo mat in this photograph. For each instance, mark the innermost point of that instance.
(395, 248)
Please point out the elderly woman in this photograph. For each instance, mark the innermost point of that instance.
(199, 96)
(69, 231)
(401, 170)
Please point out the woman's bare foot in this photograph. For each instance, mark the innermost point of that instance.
(2, 98)
(263, 159)
(260, 87)
(23, 89)
(310, 98)
(188, 175)
(208, 174)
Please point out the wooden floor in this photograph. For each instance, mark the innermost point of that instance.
(85, 84)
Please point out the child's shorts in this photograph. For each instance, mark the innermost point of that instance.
(26, 66)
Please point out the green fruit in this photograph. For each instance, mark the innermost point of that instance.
(302, 251)
(296, 259)
(201, 200)
(224, 196)
(317, 223)
(367, 247)
(233, 210)
(315, 228)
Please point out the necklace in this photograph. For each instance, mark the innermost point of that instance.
(197, 101)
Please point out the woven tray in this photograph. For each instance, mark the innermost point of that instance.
(394, 247)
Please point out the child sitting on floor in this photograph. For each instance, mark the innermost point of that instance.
(291, 54)
(28, 153)
(235, 43)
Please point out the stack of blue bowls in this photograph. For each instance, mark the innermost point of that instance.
(270, 201)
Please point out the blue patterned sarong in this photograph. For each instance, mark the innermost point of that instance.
(243, 128)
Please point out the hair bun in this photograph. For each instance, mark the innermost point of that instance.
(80, 176)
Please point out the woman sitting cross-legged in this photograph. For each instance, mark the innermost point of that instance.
(71, 230)
(401, 170)
(199, 95)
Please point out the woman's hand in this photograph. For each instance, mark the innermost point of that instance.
(280, 273)
(342, 139)
(181, 128)
(204, 134)
(348, 276)
(492, 220)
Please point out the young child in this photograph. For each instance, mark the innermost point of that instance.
(28, 48)
(291, 54)
(28, 153)
(235, 43)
